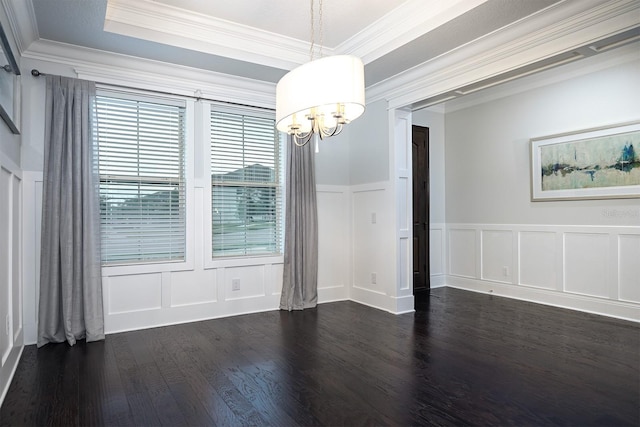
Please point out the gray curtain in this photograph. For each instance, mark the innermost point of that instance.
(70, 280)
(300, 281)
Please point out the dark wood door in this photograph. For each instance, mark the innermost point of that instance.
(420, 143)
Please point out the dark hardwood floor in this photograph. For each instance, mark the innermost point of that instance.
(468, 359)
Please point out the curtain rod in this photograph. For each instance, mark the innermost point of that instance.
(37, 73)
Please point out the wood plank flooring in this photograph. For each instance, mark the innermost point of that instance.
(467, 359)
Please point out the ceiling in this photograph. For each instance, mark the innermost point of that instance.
(263, 39)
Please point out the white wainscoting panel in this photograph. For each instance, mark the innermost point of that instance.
(586, 260)
(333, 243)
(497, 255)
(16, 259)
(250, 280)
(31, 219)
(405, 209)
(375, 250)
(629, 267)
(537, 259)
(462, 252)
(588, 268)
(132, 293)
(406, 281)
(5, 262)
(436, 250)
(11, 287)
(370, 217)
(193, 287)
(277, 271)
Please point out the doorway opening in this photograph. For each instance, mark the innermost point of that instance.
(420, 153)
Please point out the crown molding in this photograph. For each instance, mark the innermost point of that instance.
(561, 28)
(124, 70)
(149, 20)
(623, 55)
(22, 20)
(414, 18)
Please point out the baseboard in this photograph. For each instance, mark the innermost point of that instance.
(403, 304)
(437, 281)
(600, 306)
(332, 294)
(8, 370)
(382, 301)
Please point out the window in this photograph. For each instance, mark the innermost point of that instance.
(141, 145)
(246, 184)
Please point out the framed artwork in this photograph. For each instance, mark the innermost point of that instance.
(590, 164)
(9, 84)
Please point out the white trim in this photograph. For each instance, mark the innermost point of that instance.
(560, 28)
(603, 307)
(403, 24)
(370, 186)
(22, 20)
(188, 263)
(403, 304)
(124, 70)
(10, 364)
(603, 61)
(9, 165)
(438, 281)
(150, 20)
(209, 262)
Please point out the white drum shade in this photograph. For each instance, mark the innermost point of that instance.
(320, 85)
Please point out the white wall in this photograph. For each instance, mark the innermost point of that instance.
(11, 329)
(569, 253)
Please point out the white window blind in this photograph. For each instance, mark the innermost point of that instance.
(246, 184)
(142, 178)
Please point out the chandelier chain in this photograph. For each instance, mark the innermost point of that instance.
(312, 48)
(321, 29)
(313, 32)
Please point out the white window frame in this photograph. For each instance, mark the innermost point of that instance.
(142, 267)
(241, 260)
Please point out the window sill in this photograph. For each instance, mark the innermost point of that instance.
(243, 261)
(146, 267)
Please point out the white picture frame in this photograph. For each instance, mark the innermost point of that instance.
(9, 85)
(598, 163)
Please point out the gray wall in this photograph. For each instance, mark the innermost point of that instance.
(487, 149)
(369, 145)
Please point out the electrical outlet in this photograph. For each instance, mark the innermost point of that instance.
(374, 278)
(235, 284)
(373, 218)
(505, 271)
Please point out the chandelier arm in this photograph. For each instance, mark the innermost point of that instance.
(333, 131)
(301, 139)
(329, 131)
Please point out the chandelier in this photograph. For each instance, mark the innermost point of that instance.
(320, 97)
